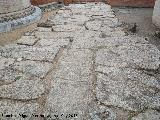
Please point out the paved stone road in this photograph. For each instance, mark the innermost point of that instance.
(84, 67)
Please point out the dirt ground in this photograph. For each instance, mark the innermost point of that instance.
(143, 18)
(12, 36)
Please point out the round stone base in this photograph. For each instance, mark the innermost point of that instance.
(17, 23)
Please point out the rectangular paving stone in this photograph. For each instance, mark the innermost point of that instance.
(126, 94)
(22, 90)
(53, 42)
(18, 111)
(67, 28)
(5, 62)
(33, 68)
(27, 40)
(53, 35)
(75, 65)
(68, 97)
(29, 53)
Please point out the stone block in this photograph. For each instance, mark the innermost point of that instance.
(156, 14)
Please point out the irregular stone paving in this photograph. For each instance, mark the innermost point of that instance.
(83, 68)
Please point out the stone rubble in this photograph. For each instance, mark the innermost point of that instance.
(84, 67)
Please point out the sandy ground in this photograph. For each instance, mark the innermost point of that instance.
(12, 36)
(143, 18)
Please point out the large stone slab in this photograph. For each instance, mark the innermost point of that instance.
(67, 28)
(75, 65)
(9, 75)
(29, 52)
(5, 62)
(64, 18)
(68, 97)
(144, 56)
(130, 95)
(143, 77)
(148, 115)
(27, 40)
(53, 42)
(104, 40)
(33, 68)
(93, 25)
(22, 90)
(53, 35)
(18, 111)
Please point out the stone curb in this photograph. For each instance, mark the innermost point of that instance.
(14, 24)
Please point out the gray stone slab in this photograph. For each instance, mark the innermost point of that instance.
(53, 35)
(33, 68)
(9, 75)
(126, 94)
(68, 97)
(27, 40)
(29, 52)
(75, 65)
(18, 110)
(148, 115)
(53, 42)
(131, 74)
(67, 28)
(22, 89)
(5, 62)
(94, 25)
(104, 40)
(139, 56)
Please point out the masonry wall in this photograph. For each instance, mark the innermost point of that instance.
(41, 2)
(131, 3)
(7, 6)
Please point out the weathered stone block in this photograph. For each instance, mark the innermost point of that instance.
(22, 89)
(156, 14)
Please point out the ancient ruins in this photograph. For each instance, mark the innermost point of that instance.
(79, 65)
(17, 13)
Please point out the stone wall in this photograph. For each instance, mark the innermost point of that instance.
(41, 2)
(131, 3)
(7, 6)
(156, 14)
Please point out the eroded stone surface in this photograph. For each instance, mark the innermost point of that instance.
(75, 65)
(123, 93)
(139, 55)
(68, 97)
(53, 42)
(33, 68)
(8, 75)
(29, 53)
(17, 110)
(148, 115)
(5, 62)
(84, 65)
(27, 40)
(23, 90)
(67, 28)
(93, 25)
